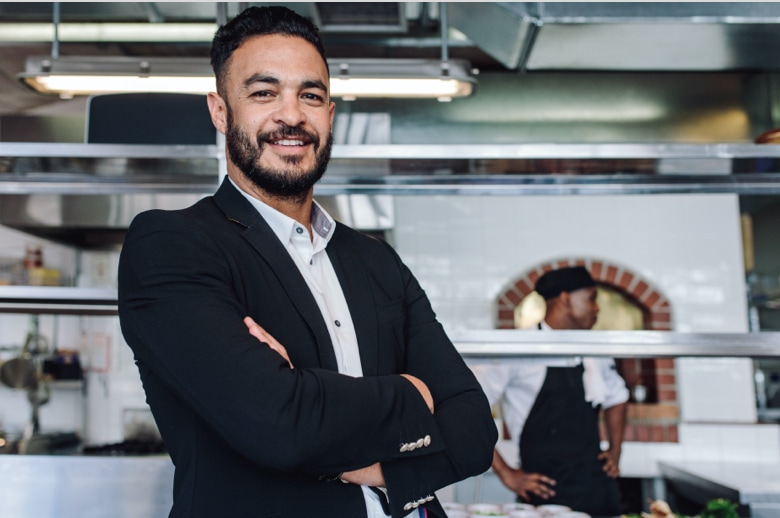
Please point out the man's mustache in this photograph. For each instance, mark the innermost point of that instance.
(288, 132)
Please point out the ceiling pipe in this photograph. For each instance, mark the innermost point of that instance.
(535, 25)
(55, 44)
(445, 55)
(221, 13)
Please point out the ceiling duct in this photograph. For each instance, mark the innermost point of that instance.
(360, 16)
(638, 36)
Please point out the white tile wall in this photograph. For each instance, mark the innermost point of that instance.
(466, 250)
(716, 389)
(759, 443)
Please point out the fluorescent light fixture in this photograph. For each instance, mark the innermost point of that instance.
(108, 32)
(69, 76)
(400, 78)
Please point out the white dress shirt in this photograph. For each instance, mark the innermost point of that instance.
(309, 255)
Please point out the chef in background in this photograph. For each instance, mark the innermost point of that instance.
(552, 406)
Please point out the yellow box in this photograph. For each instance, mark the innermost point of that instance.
(43, 277)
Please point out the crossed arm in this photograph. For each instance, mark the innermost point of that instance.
(370, 475)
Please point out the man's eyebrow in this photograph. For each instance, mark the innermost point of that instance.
(315, 83)
(269, 79)
(260, 78)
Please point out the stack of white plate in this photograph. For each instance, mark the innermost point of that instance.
(513, 510)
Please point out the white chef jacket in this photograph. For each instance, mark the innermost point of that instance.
(516, 383)
(309, 255)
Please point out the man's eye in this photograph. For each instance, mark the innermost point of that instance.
(313, 97)
(261, 93)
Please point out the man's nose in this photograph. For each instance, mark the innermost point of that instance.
(289, 111)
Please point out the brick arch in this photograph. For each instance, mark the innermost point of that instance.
(655, 422)
(654, 305)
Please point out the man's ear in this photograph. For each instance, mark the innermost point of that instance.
(218, 111)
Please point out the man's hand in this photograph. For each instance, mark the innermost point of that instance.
(610, 461)
(521, 482)
(525, 484)
(263, 335)
(369, 476)
(422, 388)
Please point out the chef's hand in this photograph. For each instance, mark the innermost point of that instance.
(611, 462)
(525, 484)
(522, 482)
(369, 476)
(263, 335)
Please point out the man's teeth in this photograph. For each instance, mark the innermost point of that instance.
(290, 142)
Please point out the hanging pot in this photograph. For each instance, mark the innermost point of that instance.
(19, 373)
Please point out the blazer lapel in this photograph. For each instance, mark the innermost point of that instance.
(264, 241)
(357, 291)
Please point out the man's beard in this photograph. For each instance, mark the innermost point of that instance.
(290, 184)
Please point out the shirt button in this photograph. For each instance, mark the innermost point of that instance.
(338, 324)
(299, 230)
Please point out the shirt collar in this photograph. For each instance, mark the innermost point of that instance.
(284, 226)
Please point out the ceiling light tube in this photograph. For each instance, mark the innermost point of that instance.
(350, 79)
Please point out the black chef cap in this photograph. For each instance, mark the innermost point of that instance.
(555, 282)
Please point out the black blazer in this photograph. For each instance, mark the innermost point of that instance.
(248, 435)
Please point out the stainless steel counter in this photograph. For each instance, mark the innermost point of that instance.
(33, 486)
(754, 485)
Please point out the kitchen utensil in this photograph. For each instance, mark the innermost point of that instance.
(19, 373)
(35, 344)
(37, 397)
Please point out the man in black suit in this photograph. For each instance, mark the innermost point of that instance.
(294, 366)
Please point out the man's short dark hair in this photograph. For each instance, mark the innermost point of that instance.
(259, 21)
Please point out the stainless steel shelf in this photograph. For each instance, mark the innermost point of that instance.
(395, 169)
(764, 184)
(478, 344)
(411, 151)
(58, 300)
(560, 151)
(65, 150)
(491, 344)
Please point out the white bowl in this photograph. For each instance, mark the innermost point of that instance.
(525, 513)
(484, 509)
(553, 509)
(518, 506)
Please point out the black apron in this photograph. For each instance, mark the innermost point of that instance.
(560, 439)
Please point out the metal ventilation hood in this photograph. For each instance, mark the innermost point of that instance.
(641, 36)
